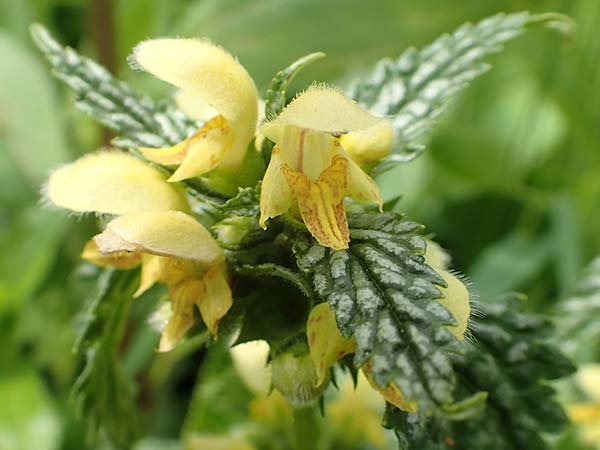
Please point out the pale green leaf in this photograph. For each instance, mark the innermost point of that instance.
(414, 89)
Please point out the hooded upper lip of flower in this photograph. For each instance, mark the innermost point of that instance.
(309, 166)
(152, 228)
(214, 77)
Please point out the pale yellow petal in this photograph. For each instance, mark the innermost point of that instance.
(217, 300)
(369, 145)
(361, 186)
(206, 151)
(193, 106)
(182, 318)
(111, 182)
(321, 203)
(356, 413)
(168, 156)
(391, 393)
(590, 434)
(198, 154)
(163, 233)
(250, 360)
(207, 441)
(210, 73)
(456, 299)
(119, 260)
(326, 343)
(436, 256)
(275, 195)
(153, 271)
(588, 378)
(584, 412)
(307, 151)
(272, 410)
(321, 108)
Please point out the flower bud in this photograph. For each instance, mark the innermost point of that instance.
(233, 231)
(296, 378)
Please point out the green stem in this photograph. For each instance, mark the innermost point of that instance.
(306, 428)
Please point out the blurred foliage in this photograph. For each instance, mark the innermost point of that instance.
(508, 183)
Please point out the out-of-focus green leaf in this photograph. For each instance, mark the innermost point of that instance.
(277, 95)
(104, 395)
(15, 16)
(513, 132)
(352, 33)
(135, 20)
(29, 242)
(217, 395)
(31, 129)
(565, 235)
(507, 264)
(27, 418)
(415, 89)
(578, 318)
(153, 443)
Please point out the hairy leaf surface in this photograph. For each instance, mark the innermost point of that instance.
(136, 119)
(414, 89)
(103, 394)
(510, 359)
(384, 294)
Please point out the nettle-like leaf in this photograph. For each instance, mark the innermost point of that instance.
(384, 294)
(510, 358)
(414, 89)
(577, 317)
(103, 394)
(135, 118)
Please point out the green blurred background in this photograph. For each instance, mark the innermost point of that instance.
(510, 183)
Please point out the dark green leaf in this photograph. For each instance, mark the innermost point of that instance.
(383, 294)
(218, 392)
(103, 394)
(136, 119)
(509, 262)
(274, 270)
(510, 359)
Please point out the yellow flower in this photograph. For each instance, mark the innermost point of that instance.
(111, 182)
(213, 441)
(586, 416)
(152, 229)
(455, 296)
(311, 169)
(180, 252)
(356, 413)
(215, 79)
